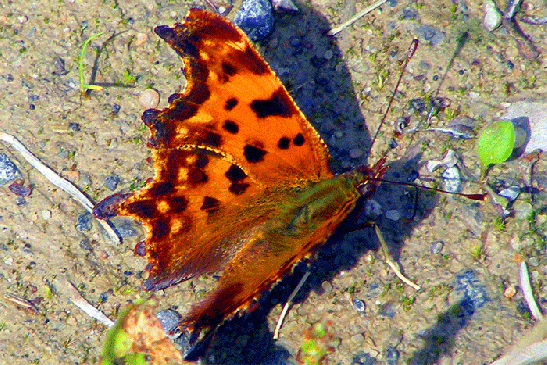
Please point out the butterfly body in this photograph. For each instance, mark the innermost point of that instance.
(243, 183)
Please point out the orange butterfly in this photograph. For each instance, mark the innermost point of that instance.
(243, 183)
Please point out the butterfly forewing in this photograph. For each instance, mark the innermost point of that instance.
(234, 103)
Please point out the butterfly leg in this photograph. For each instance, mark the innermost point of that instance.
(392, 263)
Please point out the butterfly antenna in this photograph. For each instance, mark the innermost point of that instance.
(411, 51)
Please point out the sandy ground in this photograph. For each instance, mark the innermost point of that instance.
(460, 316)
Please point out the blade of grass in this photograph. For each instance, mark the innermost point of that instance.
(83, 85)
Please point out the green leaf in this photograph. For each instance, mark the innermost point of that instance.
(496, 142)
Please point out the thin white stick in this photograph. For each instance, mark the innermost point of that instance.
(288, 304)
(356, 17)
(394, 266)
(527, 291)
(528, 355)
(57, 180)
(80, 302)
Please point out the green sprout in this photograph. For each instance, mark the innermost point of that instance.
(83, 85)
(496, 143)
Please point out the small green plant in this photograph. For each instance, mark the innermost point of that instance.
(407, 301)
(478, 252)
(83, 86)
(499, 224)
(496, 143)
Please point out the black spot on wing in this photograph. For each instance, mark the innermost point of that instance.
(279, 104)
(201, 161)
(210, 204)
(211, 139)
(298, 140)
(143, 209)
(177, 204)
(238, 188)
(228, 69)
(253, 154)
(283, 143)
(197, 177)
(162, 188)
(160, 228)
(235, 174)
(231, 103)
(230, 127)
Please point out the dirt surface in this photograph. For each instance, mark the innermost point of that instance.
(461, 254)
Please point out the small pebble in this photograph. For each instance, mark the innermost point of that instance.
(391, 355)
(111, 182)
(85, 180)
(8, 170)
(387, 310)
(393, 215)
(84, 222)
(140, 39)
(140, 249)
(510, 292)
(511, 193)
(85, 244)
(46, 214)
(327, 287)
(149, 98)
(363, 359)
(355, 153)
(284, 6)
(103, 297)
(255, 18)
(436, 247)
(125, 228)
(522, 209)
(358, 305)
(19, 188)
(452, 180)
(430, 34)
(169, 319)
(74, 127)
(59, 66)
(295, 42)
(492, 17)
(372, 209)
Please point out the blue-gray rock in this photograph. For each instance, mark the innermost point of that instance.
(84, 222)
(363, 359)
(430, 34)
(471, 291)
(169, 319)
(8, 170)
(255, 18)
(358, 305)
(391, 356)
(111, 182)
(125, 227)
